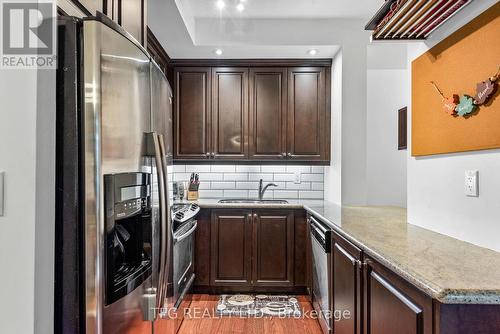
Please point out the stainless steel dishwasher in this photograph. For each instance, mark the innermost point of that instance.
(322, 272)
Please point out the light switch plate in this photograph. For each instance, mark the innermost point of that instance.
(1, 192)
(471, 183)
(297, 178)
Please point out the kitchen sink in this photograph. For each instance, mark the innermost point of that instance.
(251, 201)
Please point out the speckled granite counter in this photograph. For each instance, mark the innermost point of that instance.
(447, 269)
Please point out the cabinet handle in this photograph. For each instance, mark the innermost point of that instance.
(207, 154)
(213, 154)
(283, 154)
(289, 154)
(255, 216)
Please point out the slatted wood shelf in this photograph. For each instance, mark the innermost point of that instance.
(412, 19)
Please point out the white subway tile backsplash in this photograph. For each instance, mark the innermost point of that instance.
(288, 194)
(179, 168)
(317, 169)
(205, 185)
(283, 177)
(298, 186)
(211, 193)
(273, 169)
(230, 181)
(317, 185)
(247, 185)
(198, 168)
(236, 193)
(298, 169)
(223, 168)
(181, 176)
(312, 177)
(247, 169)
(311, 195)
(222, 185)
(210, 177)
(269, 194)
(235, 177)
(266, 177)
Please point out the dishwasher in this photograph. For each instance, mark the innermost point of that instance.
(321, 272)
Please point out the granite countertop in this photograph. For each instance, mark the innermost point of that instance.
(447, 269)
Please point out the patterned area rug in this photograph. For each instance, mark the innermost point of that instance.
(258, 306)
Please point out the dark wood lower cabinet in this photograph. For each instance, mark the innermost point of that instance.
(260, 250)
(231, 247)
(393, 306)
(347, 286)
(272, 258)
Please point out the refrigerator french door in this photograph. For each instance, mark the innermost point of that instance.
(113, 227)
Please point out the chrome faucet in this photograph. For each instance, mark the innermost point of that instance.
(262, 190)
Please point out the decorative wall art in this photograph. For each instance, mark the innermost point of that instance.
(452, 109)
(467, 104)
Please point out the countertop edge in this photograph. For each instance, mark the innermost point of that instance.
(445, 296)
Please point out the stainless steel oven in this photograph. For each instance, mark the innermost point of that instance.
(183, 266)
(322, 272)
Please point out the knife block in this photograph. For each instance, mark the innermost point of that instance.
(192, 195)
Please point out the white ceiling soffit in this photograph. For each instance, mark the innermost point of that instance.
(360, 9)
(183, 35)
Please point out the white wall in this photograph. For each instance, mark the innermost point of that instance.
(387, 89)
(17, 226)
(333, 173)
(436, 197)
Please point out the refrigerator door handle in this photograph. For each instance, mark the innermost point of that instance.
(168, 225)
(160, 172)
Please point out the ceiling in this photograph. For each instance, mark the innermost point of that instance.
(286, 8)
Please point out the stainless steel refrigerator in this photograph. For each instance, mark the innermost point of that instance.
(114, 141)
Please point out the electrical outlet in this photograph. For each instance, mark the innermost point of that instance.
(297, 178)
(471, 183)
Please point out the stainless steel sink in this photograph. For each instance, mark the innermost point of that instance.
(253, 201)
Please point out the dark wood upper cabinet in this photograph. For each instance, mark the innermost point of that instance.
(130, 14)
(256, 113)
(307, 114)
(346, 285)
(268, 109)
(229, 113)
(192, 89)
(273, 248)
(392, 306)
(231, 257)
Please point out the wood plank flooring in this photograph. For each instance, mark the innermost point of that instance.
(202, 321)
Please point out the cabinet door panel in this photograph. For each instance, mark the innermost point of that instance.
(192, 112)
(306, 113)
(202, 249)
(231, 247)
(391, 311)
(229, 113)
(392, 305)
(132, 18)
(273, 248)
(346, 290)
(268, 101)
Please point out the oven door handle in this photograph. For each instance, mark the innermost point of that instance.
(187, 234)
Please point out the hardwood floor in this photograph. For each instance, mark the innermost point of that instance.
(202, 321)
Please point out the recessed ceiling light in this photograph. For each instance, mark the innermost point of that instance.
(312, 52)
(220, 4)
(240, 7)
(218, 52)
